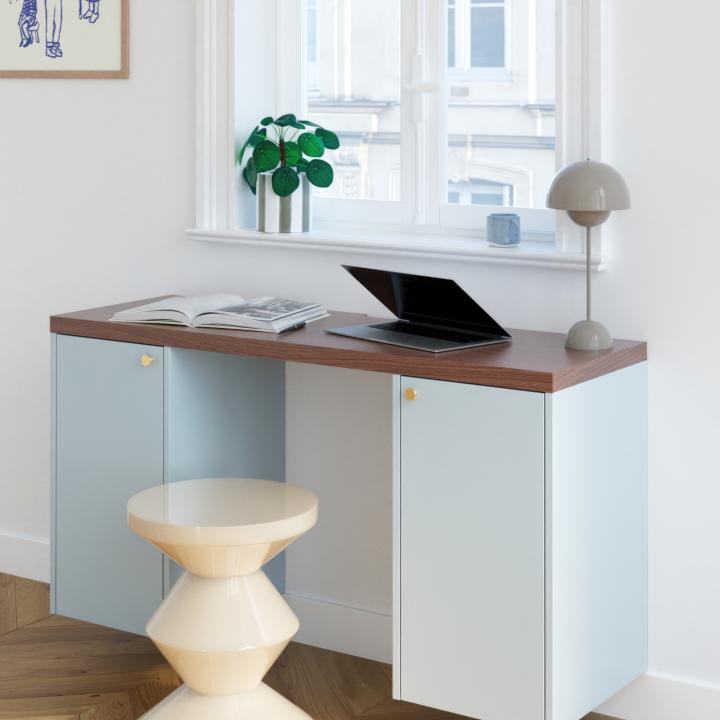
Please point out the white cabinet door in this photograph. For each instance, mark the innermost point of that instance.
(471, 561)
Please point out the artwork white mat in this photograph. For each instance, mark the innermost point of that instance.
(63, 38)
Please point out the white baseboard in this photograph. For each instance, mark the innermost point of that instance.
(656, 697)
(342, 628)
(25, 557)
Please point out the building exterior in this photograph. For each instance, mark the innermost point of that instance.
(500, 97)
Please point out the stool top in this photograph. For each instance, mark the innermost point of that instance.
(222, 511)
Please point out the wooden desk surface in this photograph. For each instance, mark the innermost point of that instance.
(536, 361)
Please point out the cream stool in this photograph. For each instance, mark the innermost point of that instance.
(223, 624)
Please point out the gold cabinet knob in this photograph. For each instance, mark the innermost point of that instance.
(411, 394)
(147, 360)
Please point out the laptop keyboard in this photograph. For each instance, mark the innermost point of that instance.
(437, 333)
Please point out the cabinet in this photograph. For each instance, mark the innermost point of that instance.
(109, 445)
(472, 508)
(520, 546)
(122, 426)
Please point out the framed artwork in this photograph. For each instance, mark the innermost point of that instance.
(64, 38)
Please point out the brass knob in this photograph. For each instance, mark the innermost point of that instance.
(411, 394)
(147, 360)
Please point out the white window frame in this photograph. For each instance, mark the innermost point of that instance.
(414, 228)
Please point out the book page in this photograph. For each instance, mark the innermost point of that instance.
(266, 308)
(197, 304)
(188, 306)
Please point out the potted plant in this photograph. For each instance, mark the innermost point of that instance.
(284, 161)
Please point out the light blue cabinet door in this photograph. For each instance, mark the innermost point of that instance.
(471, 560)
(109, 445)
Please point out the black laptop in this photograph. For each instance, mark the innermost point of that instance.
(434, 314)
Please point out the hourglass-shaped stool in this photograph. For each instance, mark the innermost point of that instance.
(223, 624)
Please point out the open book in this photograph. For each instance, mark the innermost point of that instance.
(265, 314)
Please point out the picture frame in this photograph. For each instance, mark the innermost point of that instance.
(71, 39)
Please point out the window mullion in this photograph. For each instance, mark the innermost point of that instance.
(411, 110)
(434, 33)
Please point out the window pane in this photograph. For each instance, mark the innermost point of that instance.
(356, 94)
(451, 33)
(487, 35)
(486, 199)
(501, 123)
(312, 31)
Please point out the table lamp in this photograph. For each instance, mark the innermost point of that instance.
(588, 191)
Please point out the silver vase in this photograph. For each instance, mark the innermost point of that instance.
(277, 214)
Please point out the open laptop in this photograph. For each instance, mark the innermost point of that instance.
(434, 314)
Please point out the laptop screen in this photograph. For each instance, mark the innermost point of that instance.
(426, 300)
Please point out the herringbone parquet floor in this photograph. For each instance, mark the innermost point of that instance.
(54, 668)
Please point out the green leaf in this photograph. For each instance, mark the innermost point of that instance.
(285, 120)
(301, 165)
(257, 137)
(311, 145)
(292, 153)
(250, 175)
(320, 173)
(297, 125)
(285, 181)
(309, 122)
(266, 121)
(266, 156)
(329, 138)
(241, 152)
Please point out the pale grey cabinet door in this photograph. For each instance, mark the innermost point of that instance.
(109, 445)
(471, 561)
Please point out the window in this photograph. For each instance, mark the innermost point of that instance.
(312, 27)
(480, 192)
(447, 109)
(476, 34)
(355, 90)
(501, 131)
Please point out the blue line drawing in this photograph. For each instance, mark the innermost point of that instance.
(28, 24)
(53, 27)
(92, 11)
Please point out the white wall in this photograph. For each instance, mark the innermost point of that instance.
(96, 188)
(339, 445)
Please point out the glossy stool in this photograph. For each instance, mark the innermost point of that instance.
(223, 624)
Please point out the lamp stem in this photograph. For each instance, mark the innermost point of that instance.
(588, 251)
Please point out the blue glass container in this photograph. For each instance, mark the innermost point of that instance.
(503, 229)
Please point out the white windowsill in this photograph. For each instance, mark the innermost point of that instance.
(530, 253)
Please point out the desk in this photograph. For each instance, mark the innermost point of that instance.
(519, 486)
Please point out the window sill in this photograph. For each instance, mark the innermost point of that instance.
(531, 253)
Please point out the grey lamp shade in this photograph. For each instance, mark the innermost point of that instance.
(588, 186)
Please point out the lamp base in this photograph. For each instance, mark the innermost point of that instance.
(588, 335)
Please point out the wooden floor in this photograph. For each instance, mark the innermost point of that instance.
(54, 668)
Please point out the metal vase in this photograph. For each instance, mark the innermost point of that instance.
(277, 214)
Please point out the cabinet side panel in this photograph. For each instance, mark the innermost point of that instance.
(109, 447)
(472, 550)
(598, 540)
(396, 517)
(225, 417)
(53, 468)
